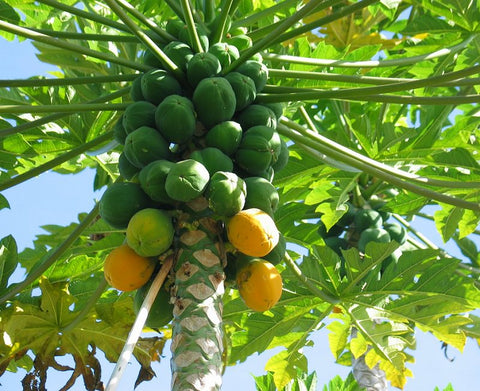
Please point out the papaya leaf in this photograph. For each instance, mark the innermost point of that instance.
(338, 336)
(447, 220)
(8, 259)
(339, 384)
(8, 14)
(285, 365)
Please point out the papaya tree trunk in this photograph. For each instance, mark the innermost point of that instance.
(197, 339)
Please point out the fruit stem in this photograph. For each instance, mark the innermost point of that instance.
(66, 108)
(166, 61)
(53, 117)
(55, 162)
(138, 325)
(84, 14)
(67, 81)
(87, 37)
(263, 14)
(372, 63)
(369, 166)
(147, 22)
(192, 30)
(283, 26)
(35, 36)
(88, 306)
(220, 31)
(304, 280)
(55, 254)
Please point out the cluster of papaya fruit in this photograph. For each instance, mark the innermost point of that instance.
(360, 226)
(202, 136)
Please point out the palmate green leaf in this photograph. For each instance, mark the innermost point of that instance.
(7, 13)
(468, 249)
(285, 366)
(301, 382)
(338, 384)
(8, 259)
(3, 201)
(462, 12)
(447, 220)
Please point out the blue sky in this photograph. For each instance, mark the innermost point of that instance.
(57, 199)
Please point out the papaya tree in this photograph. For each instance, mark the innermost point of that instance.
(260, 164)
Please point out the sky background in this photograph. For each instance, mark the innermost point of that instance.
(58, 199)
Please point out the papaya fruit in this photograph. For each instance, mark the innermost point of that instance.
(145, 145)
(244, 89)
(261, 194)
(278, 252)
(136, 89)
(186, 180)
(226, 193)
(257, 71)
(276, 107)
(125, 270)
(225, 136)
(367, 218)
(150, 232)
(151, 59)
(241, 41)
(335, 230)
(184, 36)
(259, 284)
(173, 27)
(179, 52)
(374, 234)
(396, 231)
(349, 216)
(201, 66)
(256, 114)
(213, 159)
(259, 148)
(152, 179)
(214, 101)
(225, 53)
(336, 244)
(120, 201)
(175, 119)
(119, 132)
(252, 232)
(240, 30)
(157, 84)
(127, 170)
(282, 159)
(161, 312)
(137, 114)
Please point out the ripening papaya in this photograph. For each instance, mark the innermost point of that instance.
(261, 194)
(175, 119)
(213, 159)
(214, 101)
(120, 201)
(244, 89)
(256, 114)
(137, 114)
(257, 71)
(145, 145)
(157, 84)
(225, 53)
(201, 66)
(276, 255)
(186, 180)
(152, 180)
(226, 193)
(225, 136)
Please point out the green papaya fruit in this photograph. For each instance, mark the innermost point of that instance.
(259, 148)
(145, 145)
(186, 180)
(120, 201)
(241, 42)
(237, 31)
(278, 252)
(152, 180)
(282, 158)
(276, 107)
(396, 231)
(201, 66)
(157, 84)
(175, 119)
(127, 170)
(174, 26)
(257, 71)
(256, 57)
(256, 114)
(136, 89)
(161, 312)
(137, 114)
(244, 89)
(261, 194)
(119, 132)
(336, 244)
(149, 58)
(184, 36)
(375, 234)
(225, 136)
(225, 53)
(213, 159)
(335, 230)
(179, 52)
(367, 218)
(349, 216)
(226, 193)
(214, 101)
